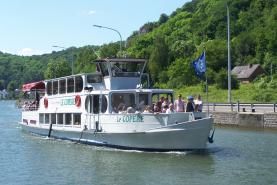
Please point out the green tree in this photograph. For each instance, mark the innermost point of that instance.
(2, 85)
(57, 69)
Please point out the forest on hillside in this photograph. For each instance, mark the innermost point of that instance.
(171, 44)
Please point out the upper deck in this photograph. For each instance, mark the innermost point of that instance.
(122, 73)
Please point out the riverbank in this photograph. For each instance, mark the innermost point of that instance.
(246, 119)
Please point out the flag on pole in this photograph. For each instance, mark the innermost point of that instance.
(199, 65)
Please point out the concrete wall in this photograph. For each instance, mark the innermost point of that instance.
(246, 119)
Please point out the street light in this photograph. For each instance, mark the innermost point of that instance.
(98, 26)
(72, 71)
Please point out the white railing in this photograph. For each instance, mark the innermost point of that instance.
(240, 107)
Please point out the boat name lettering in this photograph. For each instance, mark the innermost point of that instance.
(68, 101)
(130, 118)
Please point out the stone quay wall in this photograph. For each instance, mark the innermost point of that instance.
(257, 120)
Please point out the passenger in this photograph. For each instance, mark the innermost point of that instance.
(165, 102)
(165, 109)
(159, 103)
(171, 109)
(179, 105)
(147, 109)
(130, 110)
(190, 104)
(198, 104)
(156, 108)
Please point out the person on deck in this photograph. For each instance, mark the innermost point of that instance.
(179, 105)
(190, 104)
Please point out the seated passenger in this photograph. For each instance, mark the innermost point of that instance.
(130, 110)
(147, 109)
(171, 109)
(165, 108)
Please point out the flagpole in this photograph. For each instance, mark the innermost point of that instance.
(207, 92)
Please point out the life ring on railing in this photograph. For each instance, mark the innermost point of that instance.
(78, 100)
(45, 101)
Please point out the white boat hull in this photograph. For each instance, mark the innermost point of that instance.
(176, 137)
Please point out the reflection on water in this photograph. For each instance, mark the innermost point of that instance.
(237, 157)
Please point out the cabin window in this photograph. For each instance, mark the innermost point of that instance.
(62, 87)
(60, 119)
(96, 104)
(77, 119)
(55, 87)
(104, 103)
(49, 88)
(41, 118)
(68, 119)
(94, 79)
(143, 101)
(121, 101)
(78, 84)
(46, 120)
(70, 85)
(89, 104)
(53, 118)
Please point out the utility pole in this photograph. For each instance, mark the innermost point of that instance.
(229, 58)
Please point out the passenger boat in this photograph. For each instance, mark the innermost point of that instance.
(106, 108)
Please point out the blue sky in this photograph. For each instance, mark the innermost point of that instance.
(34, 26)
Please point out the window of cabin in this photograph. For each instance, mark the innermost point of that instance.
(55, 87)
(60, 118)
(68, 119)
(121, 101)
(89, 104)
(104, 104)
(53, 118)
(46, 118)
(95, 104)
(41, 118)
(143, 101)
(78, 84)
(62, 86)
(94, 78)
(77, 119)
(49, 88)
(70, 85)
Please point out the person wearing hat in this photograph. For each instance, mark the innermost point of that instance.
(190, 104)
(179, 105)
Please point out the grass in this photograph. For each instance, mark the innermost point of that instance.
(247, 93)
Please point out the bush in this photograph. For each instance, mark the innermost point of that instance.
(222, 80)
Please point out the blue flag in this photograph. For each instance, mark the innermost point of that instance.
(199, 65)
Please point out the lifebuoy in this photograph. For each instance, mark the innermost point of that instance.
(78, 100)
(45, 101)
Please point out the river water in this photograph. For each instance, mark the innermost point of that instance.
(238, 156)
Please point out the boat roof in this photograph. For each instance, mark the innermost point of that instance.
(130, 60)
(33, 86)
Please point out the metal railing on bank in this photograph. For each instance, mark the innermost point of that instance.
(240, 107)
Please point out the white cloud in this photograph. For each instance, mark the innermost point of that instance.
(26, 52)
(30, 52)
(91, 12)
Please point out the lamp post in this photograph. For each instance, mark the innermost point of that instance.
(72, 67)
(98, 26)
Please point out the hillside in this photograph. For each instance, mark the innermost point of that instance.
(171, 44)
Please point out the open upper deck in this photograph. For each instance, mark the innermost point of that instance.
(121, 73)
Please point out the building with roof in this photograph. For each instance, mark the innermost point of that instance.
(248, 73)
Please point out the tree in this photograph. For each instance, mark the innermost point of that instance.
(159, 57)
(57, 69)
(2, 85)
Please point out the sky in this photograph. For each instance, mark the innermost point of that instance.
(29, 27)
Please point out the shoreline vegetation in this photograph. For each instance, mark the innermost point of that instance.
(170, 45)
